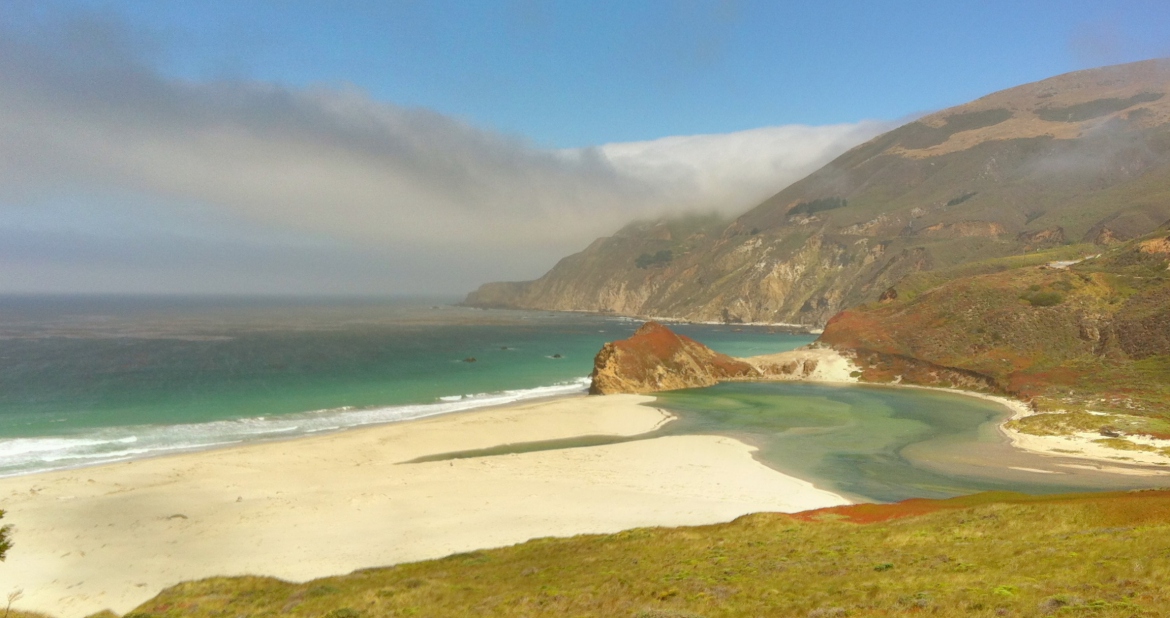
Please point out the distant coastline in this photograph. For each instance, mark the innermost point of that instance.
(796, 329)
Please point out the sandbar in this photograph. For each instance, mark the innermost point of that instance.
(113, 536)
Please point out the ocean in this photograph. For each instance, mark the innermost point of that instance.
(91, 379)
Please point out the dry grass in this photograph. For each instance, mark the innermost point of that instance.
(984, 555)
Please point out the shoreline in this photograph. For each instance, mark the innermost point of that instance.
(1077, 446)
(113, 535)
(306, 506)
(1108, 459)
(456, 404)
(796, 329)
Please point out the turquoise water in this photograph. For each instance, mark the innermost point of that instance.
(92, 380)
(87, 380)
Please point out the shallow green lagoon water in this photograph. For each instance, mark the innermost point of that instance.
(880, 443)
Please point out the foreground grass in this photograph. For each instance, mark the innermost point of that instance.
(983, 555)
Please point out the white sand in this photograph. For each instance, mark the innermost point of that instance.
(832, 366)
(1082, 445)
(113, 536)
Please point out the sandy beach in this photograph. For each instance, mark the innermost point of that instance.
(1084, 445)
(113, 536)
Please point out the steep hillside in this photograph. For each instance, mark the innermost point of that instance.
(1090, 338)
(1078, 158)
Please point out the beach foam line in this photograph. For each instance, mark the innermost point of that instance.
(31, 455)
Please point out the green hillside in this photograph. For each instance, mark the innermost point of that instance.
(1091, 336)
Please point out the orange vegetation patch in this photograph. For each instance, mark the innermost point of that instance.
(1157, 245)
(654, 343)
(856, 329)
(654, 339)
(1038, 381)
(656, 359)
(1130, 507)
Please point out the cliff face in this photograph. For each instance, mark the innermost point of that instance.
(1082, 157)
(657, 359)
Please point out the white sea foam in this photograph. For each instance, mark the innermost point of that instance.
(111, 444)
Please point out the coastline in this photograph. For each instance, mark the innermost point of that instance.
(113, 535)
(1074, 446)
(833, 367)
(278, 428)
(803, 329)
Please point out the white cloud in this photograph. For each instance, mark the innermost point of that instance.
(405, 199)
(734, 171)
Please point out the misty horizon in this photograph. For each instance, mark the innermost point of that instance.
(123, 174)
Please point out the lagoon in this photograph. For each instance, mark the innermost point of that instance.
(882, 443)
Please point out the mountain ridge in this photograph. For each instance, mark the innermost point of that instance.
(1082, 157)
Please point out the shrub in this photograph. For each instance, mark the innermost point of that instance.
(5, 541)
(1043, 299)
(1092, 109)
(646, 260)
(962, 198)
(818, 205)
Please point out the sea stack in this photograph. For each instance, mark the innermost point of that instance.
(658, 359)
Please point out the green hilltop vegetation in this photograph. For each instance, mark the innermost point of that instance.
(1082, 158)
(1084, 337)
(986, 555)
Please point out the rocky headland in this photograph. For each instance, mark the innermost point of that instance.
(656, 358)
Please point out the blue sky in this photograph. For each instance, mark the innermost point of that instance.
(408, 147)
(569, 74)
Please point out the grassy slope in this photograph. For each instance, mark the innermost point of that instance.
(982, 555)
(1095, 336)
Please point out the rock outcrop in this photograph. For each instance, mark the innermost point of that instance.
(656, 358)
(813, 363)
